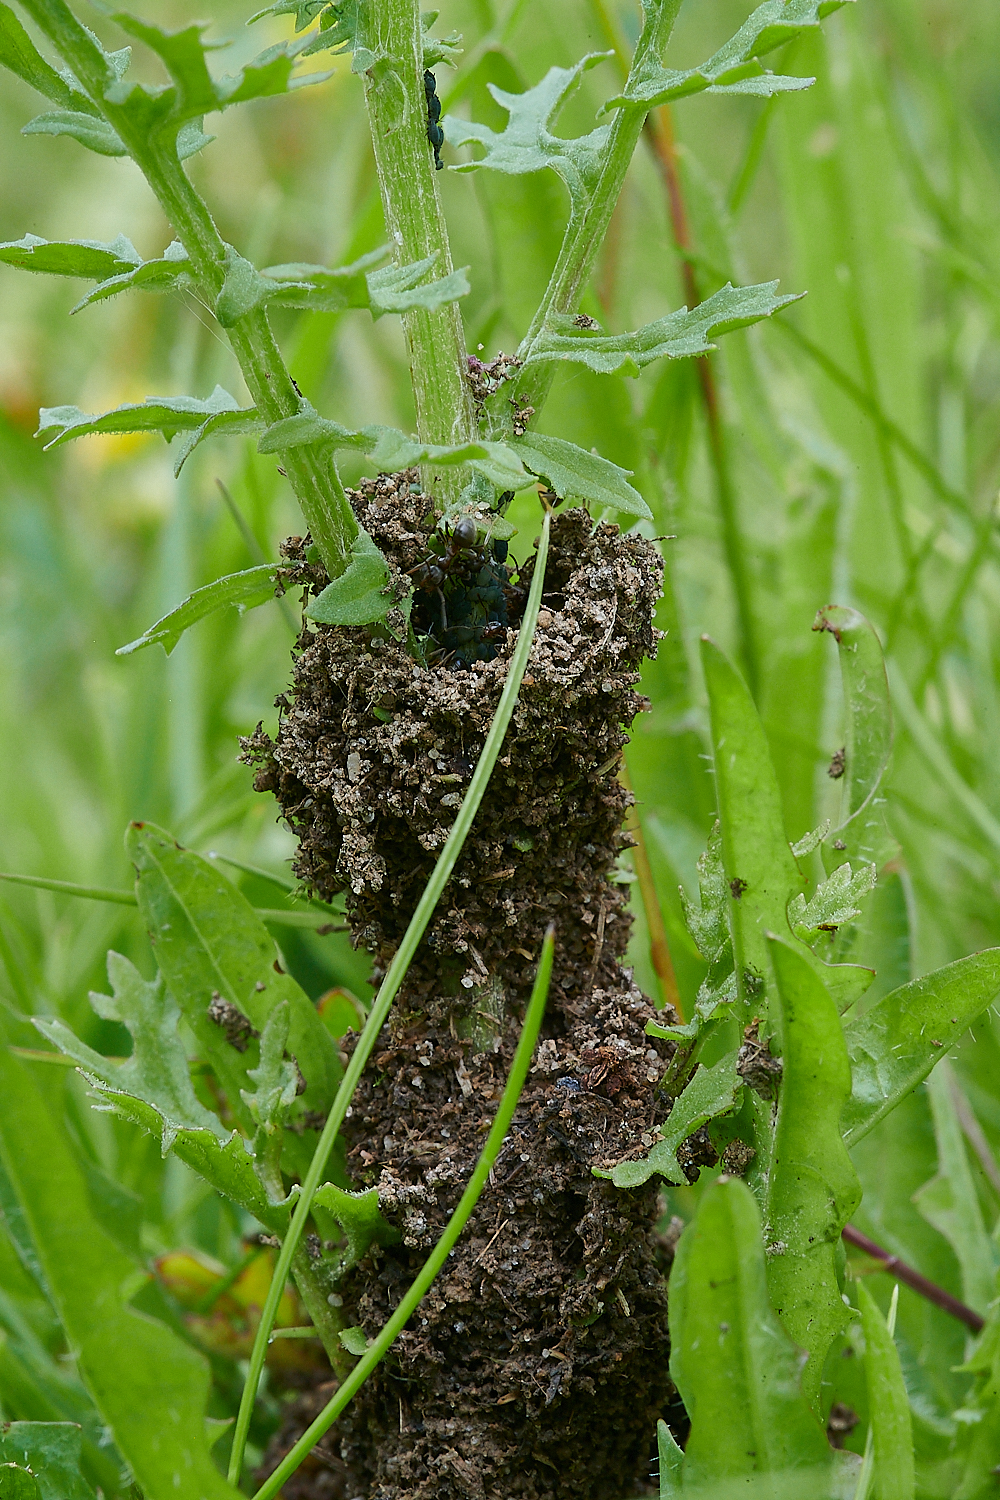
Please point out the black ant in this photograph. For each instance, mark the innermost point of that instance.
(473, 619)
(434, 132)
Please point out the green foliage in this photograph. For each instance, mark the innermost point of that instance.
(361, 594)
(244, 590)
(711, 1092)
(812, 1188)
(677, 336)
(52, 1451)
(736, 1369)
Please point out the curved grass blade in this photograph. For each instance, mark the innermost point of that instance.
(438, 1256)
(389, 987)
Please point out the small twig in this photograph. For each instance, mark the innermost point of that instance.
(913, 1279)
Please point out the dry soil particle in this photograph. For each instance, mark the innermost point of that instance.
(536, 1366)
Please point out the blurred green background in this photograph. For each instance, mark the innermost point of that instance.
(861, 460)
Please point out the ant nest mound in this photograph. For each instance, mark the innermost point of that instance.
(529, 1370)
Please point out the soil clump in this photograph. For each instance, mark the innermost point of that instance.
(536, 1365)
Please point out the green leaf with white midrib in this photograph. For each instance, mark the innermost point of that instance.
(812, 1188)
(679, 335)
(736, 1369)
(734, 69)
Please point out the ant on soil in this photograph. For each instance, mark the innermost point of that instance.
(470, 583)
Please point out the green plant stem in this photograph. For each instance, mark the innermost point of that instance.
(387, 993)
(587, 228)
(311, 471)
(276, 915)
(414, 219)
(422, 1283)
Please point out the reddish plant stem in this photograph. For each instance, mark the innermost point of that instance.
(659, 133)
(912, 1278)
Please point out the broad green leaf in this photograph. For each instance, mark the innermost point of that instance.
(677, 336)
(325, 289)
(950, 1202)
(96, 134)
(711, 1092)
(308, 427)
(527, 144)
(761, 873)
(812, 1188)
(573, 473)
(833, 904)
(846, 983)
(19, 54)
(166, 414)
(209, 941)
(888, 1405)
(895, 1044)
(52, 1451)
(244, 590)
(157, 1071)
(150, 1386)
(395, 289)
(18, 1484)
(354, 1341)
(868, 713)
(361, 594)
(89, 258)
(732, 1362)
(734, 69)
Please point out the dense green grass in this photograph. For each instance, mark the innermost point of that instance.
(865, 476)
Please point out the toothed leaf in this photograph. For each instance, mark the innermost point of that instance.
(19, 53)
(88, 258)
(575, 474)
(96, 134)
(677, 336)
(834, 903)
(734, 69)
(166, 414)
(711, 1092)
(394, 289)
(527, 144)
(244, 590)
(361, 594)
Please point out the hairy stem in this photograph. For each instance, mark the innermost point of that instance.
(588, 226)
(311, 471)
(397, 110)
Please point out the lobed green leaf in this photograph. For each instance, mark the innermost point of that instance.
(573, 473)
(90, 258)
(735, 68)
(19, 53)
(166, 414)
(896, 1043)
(735, 1367)
(833, 903)
(209, 941)
(94, 133)
(677, 336)
(361, 594)
(527, 143)
(711, 1092)
(245, 590)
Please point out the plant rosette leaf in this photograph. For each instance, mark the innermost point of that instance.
(150, 1386)
(735, 68)
(244, 590)
(833, 904)
(896, 1043)
(52, 1451)
(362, 593)
(734, 1365)
(527, 143)
(710, 1093)
(812, 1188)
(679, 335)
(212, 947)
